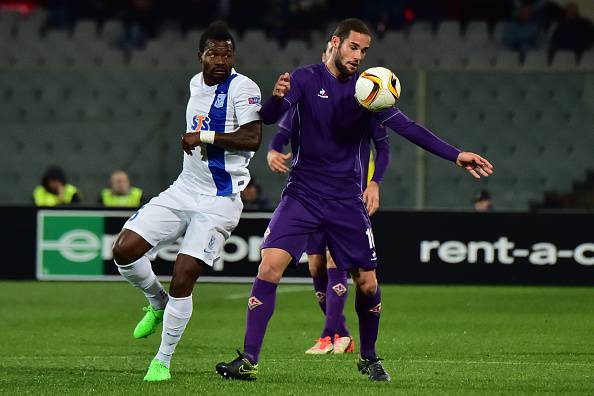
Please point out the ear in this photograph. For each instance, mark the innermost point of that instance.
(200, 56)
(335, 41)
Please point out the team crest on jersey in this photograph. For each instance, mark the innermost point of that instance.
(376, 310)
(253, 303)
(320, 296)
(339, 289)
(323, 94)
(220, 100)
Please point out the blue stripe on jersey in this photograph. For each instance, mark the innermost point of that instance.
(216, 155)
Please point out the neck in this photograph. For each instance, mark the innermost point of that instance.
(210, 81)
(334, 70)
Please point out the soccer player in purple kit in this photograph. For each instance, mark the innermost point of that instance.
(330, 283)
(324, 191)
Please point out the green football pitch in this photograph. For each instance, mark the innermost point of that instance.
(76, 338)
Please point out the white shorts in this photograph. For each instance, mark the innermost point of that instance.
(206, 220)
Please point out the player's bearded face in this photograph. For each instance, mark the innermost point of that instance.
(217, 61)
(351, 52)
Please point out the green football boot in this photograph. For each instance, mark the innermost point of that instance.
(157, 371)
(149, 322)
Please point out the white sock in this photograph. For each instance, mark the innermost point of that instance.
(176, 317)
(140, 274)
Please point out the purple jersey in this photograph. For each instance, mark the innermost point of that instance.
(289, 132)
(332, 130)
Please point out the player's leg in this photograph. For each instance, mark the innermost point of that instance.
(335, 320)
(177, 314)
(208, 227)
(350, 241)
(368, 306)
(284, 241)
(148, 227)
(260, 308)
(316, 260)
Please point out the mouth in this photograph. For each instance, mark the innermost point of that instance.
(219, 71)
(354, 65)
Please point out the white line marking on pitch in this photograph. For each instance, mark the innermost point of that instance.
(317, 360)
(239, 296)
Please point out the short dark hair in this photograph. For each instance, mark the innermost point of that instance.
(52, 173)
(216, 31)
(347, 26)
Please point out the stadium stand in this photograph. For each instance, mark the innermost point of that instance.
(80, 99)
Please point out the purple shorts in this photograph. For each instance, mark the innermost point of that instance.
(316, 244)
(344, 224)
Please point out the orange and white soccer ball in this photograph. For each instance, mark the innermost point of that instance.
(377, 89)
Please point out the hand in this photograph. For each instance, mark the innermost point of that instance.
(282, 86)
(189, 141)
(371, 197)
(277, 161)
(61, 191)
(475, 164)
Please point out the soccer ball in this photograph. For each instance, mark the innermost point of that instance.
(377, 89)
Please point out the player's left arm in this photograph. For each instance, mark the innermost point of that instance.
(246, 104)
(424, 138)
(371, 195)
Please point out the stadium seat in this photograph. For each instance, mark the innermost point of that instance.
(448, 32)
(536, 60)
(507, 60)
(476, 34)
(112, 31)
(564, 60)
(587, 61)
(85, 32)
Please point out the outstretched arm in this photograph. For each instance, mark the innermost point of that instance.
(424, 138)
(247, 138)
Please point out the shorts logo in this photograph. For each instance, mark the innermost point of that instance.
(253, 303)
(220, 101)
(254, 100)
(339, 289)
(321, 297)
(376, 310)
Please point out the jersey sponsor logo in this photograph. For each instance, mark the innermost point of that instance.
(321, 296)
(253, 303)
(220, 101)
(323, 94)
(254, 100)
(339, 289)
(200, 122)
(377, 309)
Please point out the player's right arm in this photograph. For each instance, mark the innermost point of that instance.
(277, 161)
(246, 105)
(285, 94)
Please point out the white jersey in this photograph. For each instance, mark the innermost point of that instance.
(222, 108)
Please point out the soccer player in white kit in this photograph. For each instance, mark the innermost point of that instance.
(204, 202)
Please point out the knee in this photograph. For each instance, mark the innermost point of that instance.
(316, 265)
(367, 287)
(124, 252)
(269, 272)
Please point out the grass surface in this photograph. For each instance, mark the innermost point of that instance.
(75, 338)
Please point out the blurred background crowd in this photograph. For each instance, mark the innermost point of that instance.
(103, 86)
